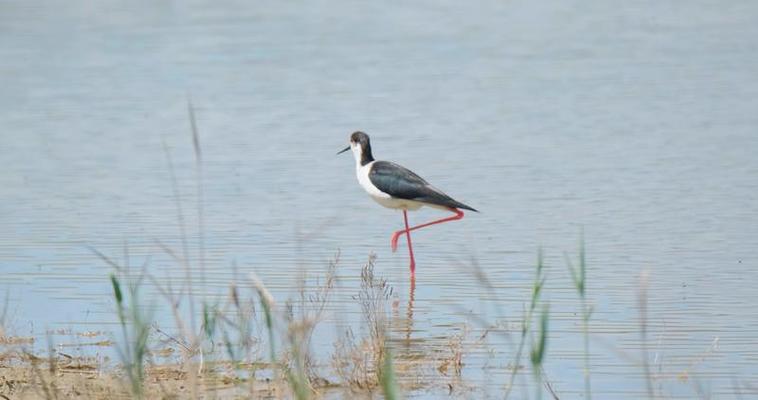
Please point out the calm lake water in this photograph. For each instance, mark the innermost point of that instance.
(635, 122)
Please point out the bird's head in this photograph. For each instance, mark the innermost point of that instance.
(361, 147)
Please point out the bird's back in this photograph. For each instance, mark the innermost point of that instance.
(402, 183)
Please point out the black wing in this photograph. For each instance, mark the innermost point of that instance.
(402, 183)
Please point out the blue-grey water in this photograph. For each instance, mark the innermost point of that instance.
(635, 122)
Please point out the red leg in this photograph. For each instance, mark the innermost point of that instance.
(410, 245)
(395, 236)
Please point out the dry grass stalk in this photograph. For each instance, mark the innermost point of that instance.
(359, 362)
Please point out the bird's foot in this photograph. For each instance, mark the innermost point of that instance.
(395, 237)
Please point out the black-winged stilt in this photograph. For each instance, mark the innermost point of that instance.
(394, 186)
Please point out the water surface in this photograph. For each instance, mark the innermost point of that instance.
(635, 122)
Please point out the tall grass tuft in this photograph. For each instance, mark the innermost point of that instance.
(302, 318)
(387, 378)
(295, 376)
(579, 278)
(537, 285)
(135, 328)
(538, 351)
(267, 304)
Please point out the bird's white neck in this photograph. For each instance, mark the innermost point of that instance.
(361, 159)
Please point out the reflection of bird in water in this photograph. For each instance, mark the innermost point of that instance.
(409, 312)
(405, 325)
(394, 186)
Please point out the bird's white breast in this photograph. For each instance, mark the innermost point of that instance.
(362, 171)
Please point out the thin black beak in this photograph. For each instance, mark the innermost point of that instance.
(344, 150)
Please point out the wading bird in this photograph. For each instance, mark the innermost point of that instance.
(394, 186)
